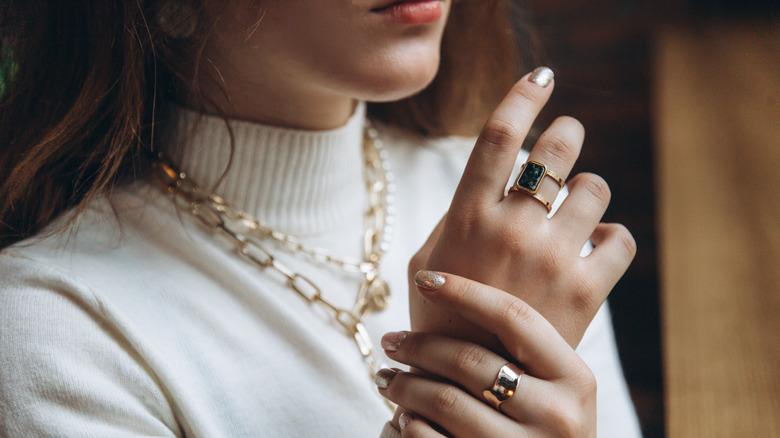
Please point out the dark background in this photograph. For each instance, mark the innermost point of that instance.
(602, 55)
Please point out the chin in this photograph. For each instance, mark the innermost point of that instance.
(390, 92)
(399, 81)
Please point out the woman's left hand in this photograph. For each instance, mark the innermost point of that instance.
(509, 241)
(555, 397)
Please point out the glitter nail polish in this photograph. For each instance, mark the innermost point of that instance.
(384, 377)
(429, 280)
(542, 76)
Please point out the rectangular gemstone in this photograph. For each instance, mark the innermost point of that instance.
(531, 176)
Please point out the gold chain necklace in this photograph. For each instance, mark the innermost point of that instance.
(249, 235)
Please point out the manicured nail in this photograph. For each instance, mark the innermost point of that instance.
(384, 377)
(392, 341)
(428, 280)
(404, 419)
(542, 76)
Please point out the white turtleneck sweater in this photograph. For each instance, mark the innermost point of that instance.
(138, 322)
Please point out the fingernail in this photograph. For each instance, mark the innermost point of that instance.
(542, 76)
(384, 377)
(428, 280)
(392, 341)
(404, 419)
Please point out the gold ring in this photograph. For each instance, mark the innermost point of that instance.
(530, 181)
(505, 385)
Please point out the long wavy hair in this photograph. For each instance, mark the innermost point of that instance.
(81, 82)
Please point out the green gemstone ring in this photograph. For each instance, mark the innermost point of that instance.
(530, 181)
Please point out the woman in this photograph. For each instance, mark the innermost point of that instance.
(214, 227)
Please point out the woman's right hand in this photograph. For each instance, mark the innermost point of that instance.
(555, 397)
(507, 240)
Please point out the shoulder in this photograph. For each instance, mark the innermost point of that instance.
(45, 304)
(68, 278)
(59, 350)
(25, 276)
(109, 231)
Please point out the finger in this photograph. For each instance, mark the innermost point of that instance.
(495, 152)
(472, 367)
(557, 149)
(527, 336)
(413, 426)
(581, 211)
(614, 250)
(444, 404)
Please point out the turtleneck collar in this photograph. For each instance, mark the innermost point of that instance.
(299, 182)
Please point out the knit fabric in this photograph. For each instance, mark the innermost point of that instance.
(139, 322)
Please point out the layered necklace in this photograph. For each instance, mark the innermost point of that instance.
(253, 239)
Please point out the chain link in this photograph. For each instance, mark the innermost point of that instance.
(376, 216)
(247, 233)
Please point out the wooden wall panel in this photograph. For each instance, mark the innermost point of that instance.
(718, 161)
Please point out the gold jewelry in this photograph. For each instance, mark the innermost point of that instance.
(505, 385)
(249, 235)
(530, 181)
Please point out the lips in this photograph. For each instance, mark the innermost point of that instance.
(411, 12)
(388, 5)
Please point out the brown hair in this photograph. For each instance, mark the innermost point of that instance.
(80, 82)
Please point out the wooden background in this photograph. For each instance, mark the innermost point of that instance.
(718, 155)
(620, 66)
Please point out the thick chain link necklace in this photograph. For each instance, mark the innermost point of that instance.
(250, 238)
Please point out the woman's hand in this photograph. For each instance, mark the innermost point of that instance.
(555, 397)
(507, 240)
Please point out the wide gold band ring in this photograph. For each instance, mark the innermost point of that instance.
(530, 181)
(505, 385)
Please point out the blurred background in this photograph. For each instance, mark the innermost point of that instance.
(681, 104)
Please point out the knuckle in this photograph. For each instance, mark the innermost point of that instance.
(559, 147)
(626, 239)
(554, 259)
(596, 186)
(582, 383)
(588, 384)
(462, 225)
(586, 294)
(499, 132)
(513, 236)
(527, 96)
(445, 399)
(568, 420)
(572, 123)
(468, 357)
(466, 289)
(516, 312)
(551, 259)
(571, 417)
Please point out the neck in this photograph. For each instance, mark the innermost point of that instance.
(300, 182)
(285, 102)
